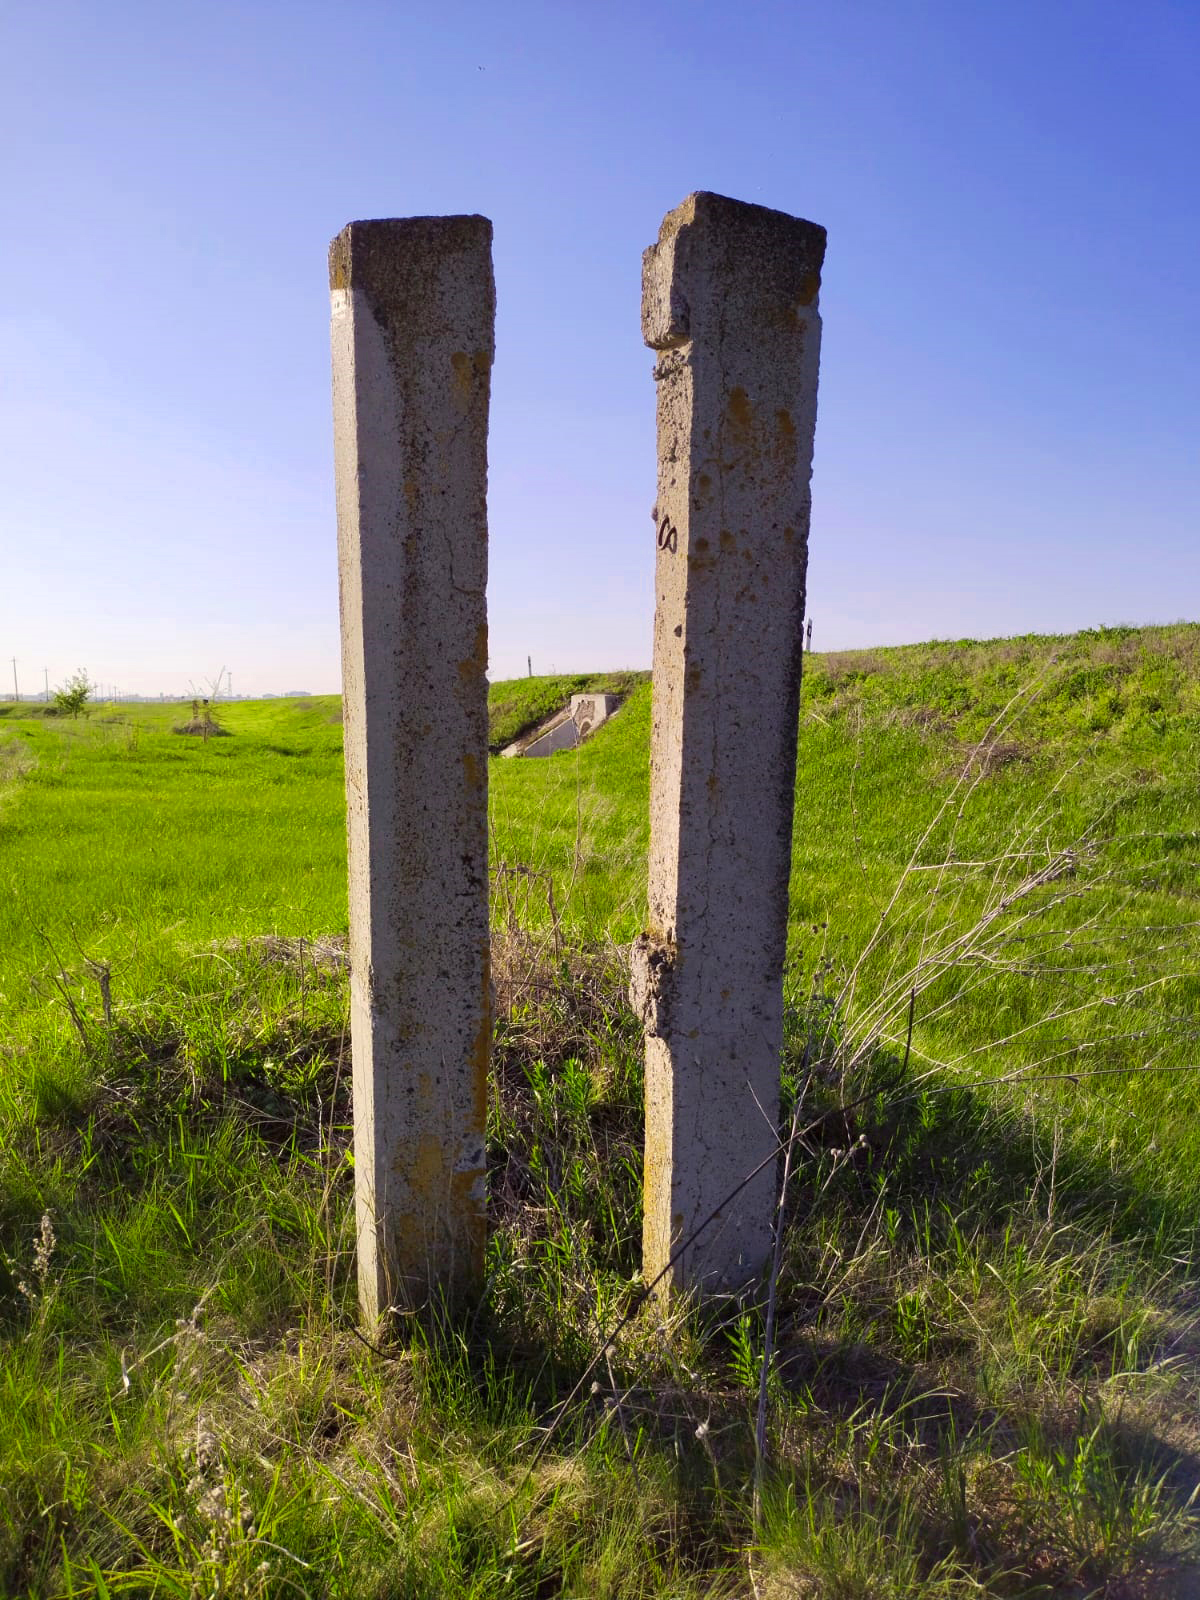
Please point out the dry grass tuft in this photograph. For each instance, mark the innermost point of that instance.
(15, 760)
(845, 666)
(554, 1000)
(990, 756)
(326, 953)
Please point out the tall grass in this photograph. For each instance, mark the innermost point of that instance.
(981, 1371)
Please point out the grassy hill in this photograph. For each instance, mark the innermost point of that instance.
(520, 704)
(983, 1378)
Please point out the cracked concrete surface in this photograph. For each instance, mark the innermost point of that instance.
(729, 302)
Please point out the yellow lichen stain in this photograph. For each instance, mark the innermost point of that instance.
(472, 774)
(808, 289)
(741, 412)
(463, 1198)
(423, 1163)
(700, 558)
(656, 1177)
(789, 535)
(481, 1048)
(482, 362)
(464, 375)
(339, 263)
(473, 667)
(785, 438)
(412, 491)
(728, 542)
(405, 1249)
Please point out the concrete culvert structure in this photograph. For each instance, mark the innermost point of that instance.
(567, 728)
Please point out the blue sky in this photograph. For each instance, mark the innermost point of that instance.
(1009, 412)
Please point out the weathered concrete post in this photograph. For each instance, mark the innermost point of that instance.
(413, 304)
(729, 300)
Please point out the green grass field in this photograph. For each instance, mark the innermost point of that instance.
(983, 1376)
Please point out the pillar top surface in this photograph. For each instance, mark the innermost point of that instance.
(363, 254)
(715, 255)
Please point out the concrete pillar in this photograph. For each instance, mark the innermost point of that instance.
(729, 301)
(413, 304)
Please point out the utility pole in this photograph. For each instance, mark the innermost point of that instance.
(16, 690)
(46, 675)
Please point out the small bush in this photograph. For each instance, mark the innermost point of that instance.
(72, 697)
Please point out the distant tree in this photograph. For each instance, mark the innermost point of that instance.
(72, 697)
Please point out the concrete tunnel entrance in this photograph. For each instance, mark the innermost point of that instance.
(567, 728)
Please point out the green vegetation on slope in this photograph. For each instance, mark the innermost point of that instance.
(985, 1369)
(517, 706)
